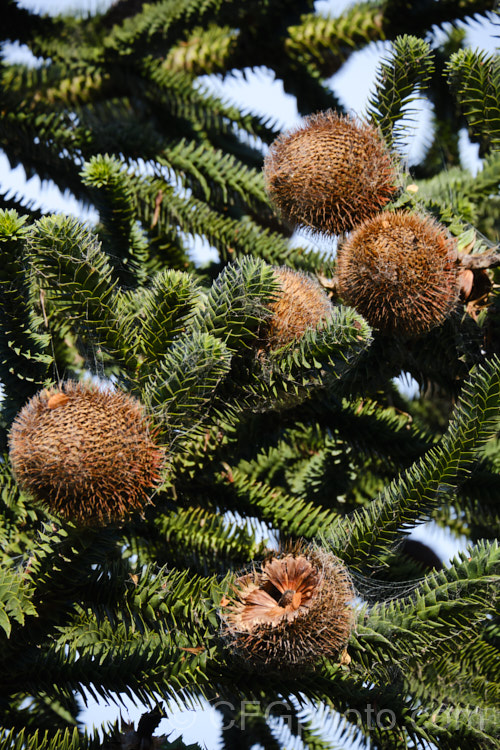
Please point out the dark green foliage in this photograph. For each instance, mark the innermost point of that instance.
(313, 440)
(399, 81)
(119, 229)
(24, 346)
(475, 76)
(428, 481)
(236, 304)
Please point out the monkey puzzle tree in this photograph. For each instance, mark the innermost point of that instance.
(219, 510)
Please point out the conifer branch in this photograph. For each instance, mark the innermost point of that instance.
(400, 78)
(475, 79)
(422, 487)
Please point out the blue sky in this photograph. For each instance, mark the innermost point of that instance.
(258, 92)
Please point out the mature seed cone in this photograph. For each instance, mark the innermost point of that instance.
(401, 272)
(87, 453)
(294, 610)
(300, 304)
(329, 174)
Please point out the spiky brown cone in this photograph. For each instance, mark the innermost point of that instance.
(294, 610)
(329, 174)
(87, 453)
(300, 304)
(401, 272)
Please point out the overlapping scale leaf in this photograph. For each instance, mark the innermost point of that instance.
(399, 80)
(324, 354)
(24, 342)
(184, 382)
(80, 283)
(119, 230)
(475, 78)
(358, 538)
(236, 305)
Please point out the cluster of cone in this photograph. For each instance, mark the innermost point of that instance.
(399, 269)
(292, 611)
(87, 453)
